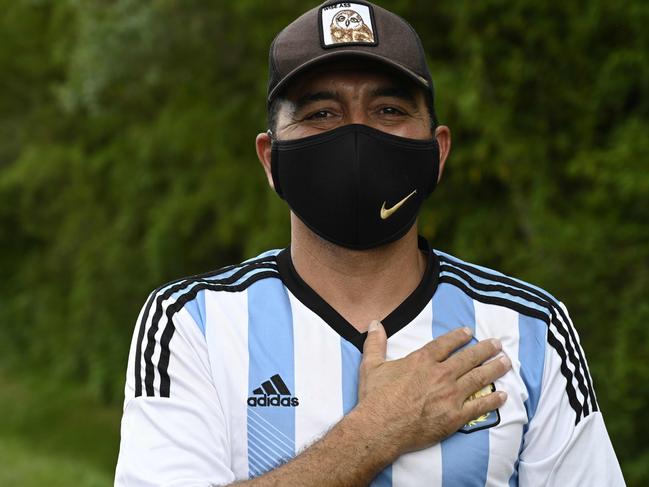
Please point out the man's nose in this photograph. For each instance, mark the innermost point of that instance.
(357, 115)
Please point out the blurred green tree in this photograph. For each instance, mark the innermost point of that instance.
(127, 159)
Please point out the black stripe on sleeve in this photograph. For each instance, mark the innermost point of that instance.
(560, 320)
(152, 297)
(563, 330)
(159, 298)
(534, 313)
(541, 294)
(191, 294)
(591, 390)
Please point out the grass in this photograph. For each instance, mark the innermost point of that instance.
(22, 466)
(55, 435)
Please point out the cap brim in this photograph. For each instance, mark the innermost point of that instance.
(420, 80)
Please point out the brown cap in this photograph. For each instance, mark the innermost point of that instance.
(337, 29)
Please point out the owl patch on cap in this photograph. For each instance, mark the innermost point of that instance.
(347, 23)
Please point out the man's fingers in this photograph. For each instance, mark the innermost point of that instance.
(375, 345)
(482, 405)
(443, 346)
(484, 375)
(471, 357)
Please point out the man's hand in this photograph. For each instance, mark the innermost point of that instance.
(404, 405)
(420, 399)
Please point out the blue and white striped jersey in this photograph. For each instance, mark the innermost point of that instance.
(234, 372)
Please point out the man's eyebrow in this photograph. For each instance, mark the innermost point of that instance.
(313, 97)
(395, 92)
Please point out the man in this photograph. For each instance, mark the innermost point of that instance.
(277, 372)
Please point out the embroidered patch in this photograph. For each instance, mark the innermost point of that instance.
(487, 420)
(347, 23)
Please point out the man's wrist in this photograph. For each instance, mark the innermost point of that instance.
(374, 445)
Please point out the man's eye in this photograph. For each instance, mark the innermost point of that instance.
(391, 111)
(320, 114)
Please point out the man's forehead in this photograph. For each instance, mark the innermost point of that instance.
(347, 74)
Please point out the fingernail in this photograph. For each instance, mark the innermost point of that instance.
(505, 361)
(374, 325)
(497, 343)
(502, 395)
(468, 331)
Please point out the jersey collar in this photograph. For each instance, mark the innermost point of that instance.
(401, 316)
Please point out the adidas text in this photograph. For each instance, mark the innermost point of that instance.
(266, 401)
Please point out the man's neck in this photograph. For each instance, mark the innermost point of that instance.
(360, 285)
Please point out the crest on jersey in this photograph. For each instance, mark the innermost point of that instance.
(347, 23)
(487, 420)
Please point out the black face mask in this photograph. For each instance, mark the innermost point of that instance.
(355, 186)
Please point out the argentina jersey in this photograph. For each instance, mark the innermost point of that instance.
(235, 372)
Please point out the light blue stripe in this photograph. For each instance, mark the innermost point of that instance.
(465, 457)
(262, 455)
(498, 294)
(513, 480)
(263, 440)
(265, 436)
(270, 349)
(196, 309)
(384, 479)
(531, 354)
(532, 339)
(351, 361)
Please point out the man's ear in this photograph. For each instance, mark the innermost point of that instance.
(263, 144)
(443, 136)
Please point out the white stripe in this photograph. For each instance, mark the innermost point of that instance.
(318, 375)
(226, 334)
(505, 439)
(411, 468)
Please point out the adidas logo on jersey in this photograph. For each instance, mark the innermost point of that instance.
(273, 392)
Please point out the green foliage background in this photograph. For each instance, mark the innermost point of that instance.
(127, 159)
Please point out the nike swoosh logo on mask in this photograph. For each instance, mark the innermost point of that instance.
(388, 212)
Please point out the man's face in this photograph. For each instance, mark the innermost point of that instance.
(348, 92)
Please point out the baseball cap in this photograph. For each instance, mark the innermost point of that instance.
(346, 29)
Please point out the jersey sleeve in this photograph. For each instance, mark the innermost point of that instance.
(566, 442)
(173, 430)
